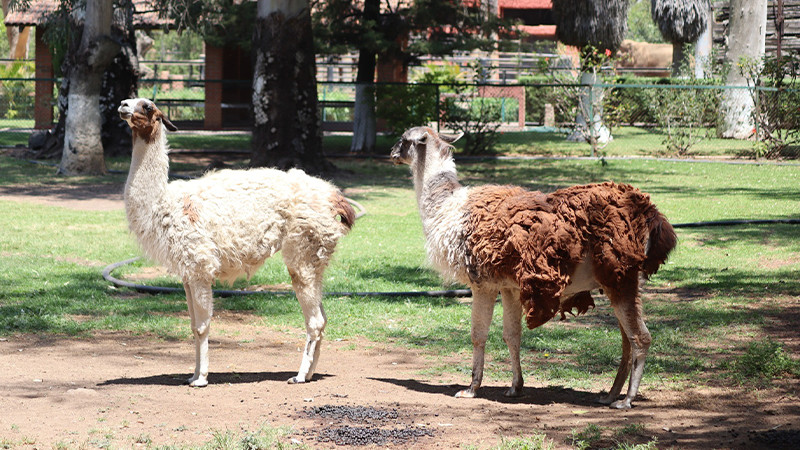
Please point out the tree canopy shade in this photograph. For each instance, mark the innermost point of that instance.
(599, 23)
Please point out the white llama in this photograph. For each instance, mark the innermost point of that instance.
(225, 224)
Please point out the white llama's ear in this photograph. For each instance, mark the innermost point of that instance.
(450, 138)
(168, 124)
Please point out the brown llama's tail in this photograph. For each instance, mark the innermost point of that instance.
(662, 240)
(344, 210)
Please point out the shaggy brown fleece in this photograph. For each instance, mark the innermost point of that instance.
(539, 239)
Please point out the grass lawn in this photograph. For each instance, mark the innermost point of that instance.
(712, 309)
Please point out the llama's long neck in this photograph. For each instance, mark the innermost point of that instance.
(148, 174)
(435, 181)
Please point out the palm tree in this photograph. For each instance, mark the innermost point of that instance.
(592, 26)
(681, 22)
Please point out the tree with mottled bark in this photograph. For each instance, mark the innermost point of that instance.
(681, 22)
(286, 129)
(82, 153)
(118, 80)
(746, 40)
(594, 26)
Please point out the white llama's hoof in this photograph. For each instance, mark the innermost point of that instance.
(466, 393)
(197, 381)
(295, 380)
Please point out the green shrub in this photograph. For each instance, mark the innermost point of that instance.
(764, 360)
(403, 106)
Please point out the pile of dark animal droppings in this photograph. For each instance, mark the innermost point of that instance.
(347, 435)
(777, 439)
(371, 434)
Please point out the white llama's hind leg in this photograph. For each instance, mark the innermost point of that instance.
(512, 331)
(307, 283)
(200, 301)
(483, 301)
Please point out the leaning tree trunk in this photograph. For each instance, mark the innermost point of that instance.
(364, 128)
(286, 129)
(746, 39)
(83, 148)
(704, 46)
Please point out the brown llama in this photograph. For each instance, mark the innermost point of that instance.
(543, 253)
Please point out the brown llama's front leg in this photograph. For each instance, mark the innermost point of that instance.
(512, 331)
(628, 309)
(483, 301)
(622, 371)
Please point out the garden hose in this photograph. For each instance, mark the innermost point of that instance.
(444, 293)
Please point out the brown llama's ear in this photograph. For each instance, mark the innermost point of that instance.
(450, 138)
(168, 124)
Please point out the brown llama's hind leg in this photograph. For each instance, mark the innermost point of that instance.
(622, 372)
(512, 331)
(628, 309)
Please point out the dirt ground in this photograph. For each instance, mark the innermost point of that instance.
(116, 390)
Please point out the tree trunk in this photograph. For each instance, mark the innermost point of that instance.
(746, 39)
(83, 148)
(120, 81)
(286, 129)
(678, 59)
(703, 47)
(364, 129)
(590, 104)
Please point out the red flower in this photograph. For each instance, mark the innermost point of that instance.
(608, 52)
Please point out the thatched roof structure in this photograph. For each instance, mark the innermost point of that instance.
(680, 21)
(601, 23)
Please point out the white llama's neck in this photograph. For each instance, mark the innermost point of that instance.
(148, 174)
(435, 179)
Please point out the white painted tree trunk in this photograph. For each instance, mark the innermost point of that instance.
(590, 104)
(83, 148)
(364, 128)
(703, 47)
(746, 39)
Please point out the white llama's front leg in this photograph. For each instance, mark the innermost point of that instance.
(309, 294)
(483, 301)
(200, 301)
(512, 331)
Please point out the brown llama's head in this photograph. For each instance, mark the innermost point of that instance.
(416, 141)
(144, 118)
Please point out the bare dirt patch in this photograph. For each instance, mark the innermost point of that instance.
(116, 388)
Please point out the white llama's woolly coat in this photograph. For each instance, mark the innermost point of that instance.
(225, 224)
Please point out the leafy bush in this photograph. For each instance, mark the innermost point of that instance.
(477, 117)
(775, 99)
(679, 114)
(764, 360)
(406, 106)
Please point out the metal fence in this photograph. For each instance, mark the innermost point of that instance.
(510, 106)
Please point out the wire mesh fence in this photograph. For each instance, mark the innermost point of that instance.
(683, 112)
